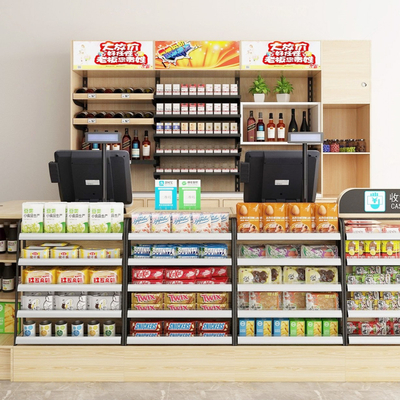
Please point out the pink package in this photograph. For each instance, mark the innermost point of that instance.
(141, 222)
(201, 222)
(181, 223)
(224, 222)
(160, 222)
(216, 223)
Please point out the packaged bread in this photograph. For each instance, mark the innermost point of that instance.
(264, 300)
(113, 253)
(73, 275)
(294, 275)
(299, 215)
(326, 217)
(147, 298)
(35, 252)
(39, 275)
(274, 217)
(92, 253)
(65, 252)
(255, 275)
(294, 300)
(248, 217)
(212, 298)
(319, 251)
(322, 301)
(180, 298)
(321, 275)
(105, 275)
(282, 251)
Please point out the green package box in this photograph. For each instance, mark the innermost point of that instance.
(297, 327)
(189, 194)
(313, 327)
(7, 317)
(330, 327)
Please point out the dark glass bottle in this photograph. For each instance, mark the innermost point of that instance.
(293, 124)
(8, 283)
(251, 128)
(126, 141)
(304, 126)
(3, 239)
(260, 128)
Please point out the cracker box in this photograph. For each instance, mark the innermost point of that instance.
(280, 327)
(37, 301)
(100, 218)
(117, 217)
(263, 327)
(70, 301)
(77, 217)
(352, 249)
(32, 217)
(181, 222)
(313, 327)
(246, 326)
(104, 301)
(299, 215)
(7, 317)
(249, 217)
(274, 218)
(326, 217)
(264, 300)
(297, 327)
(55, 216)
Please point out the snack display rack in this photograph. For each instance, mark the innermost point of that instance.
(116, 315)
(352, 206)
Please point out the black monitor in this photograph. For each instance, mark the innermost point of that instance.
(277, 176)
(79, 175)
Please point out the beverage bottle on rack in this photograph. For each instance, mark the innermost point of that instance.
(100, 114)
(260, 128)
(109, 114)
(3, 239)
(91, 90)
(8, 284)
(293, 124)
(126, 141)
(86, 114)
(12, 239)
(129, 114)
(148, 114)
(85, 145)
(81, 90)
(118, 90)
(129, 90)
(146, 146)
(281, 129)
(109, 90)
(271, 133)
(135, 146)
(304, 126)
(119, 114)
(148, 90)
(100, 90)
(139, 114)
(251, 128)
(138, 90)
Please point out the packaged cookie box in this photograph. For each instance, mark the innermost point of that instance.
(246, 326)
(181, 222)
(274, 218)
(294, 275)
(71, 301)
(330, 327)
(73, 275)
(39, 275)
(297, 327)
(259, 275)
(326, 218)
(249, 217)
(322, 301)
(35, 252)
(313, 327)
(280, 327)
(141, 222)
(321, 275)
(105, 275)
(37, 301)
(263, 327)
(265, 300)
(65, 252)
(161, 222)
(104, 301)
(201, 222)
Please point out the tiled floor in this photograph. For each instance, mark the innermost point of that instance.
(199, 391)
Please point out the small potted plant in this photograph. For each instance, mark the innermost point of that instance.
(283, 89)
(259, 89)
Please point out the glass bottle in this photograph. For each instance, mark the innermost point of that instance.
(126, 141)
(260, 128)
(293, 124)
(12, 239)
(304, 125)
(135, 146)
(251, 128)
(8, 284)
(271, 133)
(146, 146)
(281, 129)
(3, 239)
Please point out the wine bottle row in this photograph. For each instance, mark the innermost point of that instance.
(115, 90)
(257, 132)
(114, 114)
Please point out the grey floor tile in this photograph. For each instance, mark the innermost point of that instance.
(135, 386)
(278, 395)
(354, 395)
(206, 386)
(8, 385)
(105, 395)
(279, 386)
(146, 395)
(33, 395)
(362, 386)
(199, 395)
(5, 394)
(60, 386)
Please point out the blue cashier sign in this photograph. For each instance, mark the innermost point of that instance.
(375, 201)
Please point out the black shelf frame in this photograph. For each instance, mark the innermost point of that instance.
(143, 162)
(196, 136)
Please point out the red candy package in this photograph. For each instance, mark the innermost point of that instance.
(180, 282)
(146, 326)
(180, 273)
(212, 281)
(147, 273)
(183, 326)
(213, 326)
(147, 281)
(220, 271)
(206, 272)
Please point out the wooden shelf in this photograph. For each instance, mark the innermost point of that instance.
(8, 258)
(7, 296)
(235, 155)
(276, 105)
(6, 339)
(148, 97)
(113, 121)
(348, 154)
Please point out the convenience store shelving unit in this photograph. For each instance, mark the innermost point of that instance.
(301, 238)
(85, 315)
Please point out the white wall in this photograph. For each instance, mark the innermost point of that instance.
(35, 38)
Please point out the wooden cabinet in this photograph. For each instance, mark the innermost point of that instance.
(346, 72)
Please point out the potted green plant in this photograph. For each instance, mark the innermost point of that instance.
(259, 89)
(283, 89)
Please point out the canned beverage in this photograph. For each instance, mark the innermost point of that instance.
(29, 328)
(77, 329)
(94, 328)
(109, 328)
(45, 328)
(61, 328)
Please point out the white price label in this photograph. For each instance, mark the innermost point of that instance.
(126, 121)
(91, 95)
(91, 120)
(125, 95)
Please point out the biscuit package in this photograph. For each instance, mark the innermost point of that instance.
(314, 327)
(73, 275)
(299, 216)
(352, 249)
(330, 327)
(105, 275)
(246, 326)
(264, 300)
(39, 275)
(249, 217)
(326, 217)
(321, 275)
(141, 222)
(294, 300)
(322, 301)
(280, 327)
(274, 217)
(319, 251)
(282, 251)
(255, 275)
(263, 327)
(390, 248)
(297, 327)
(294, 275)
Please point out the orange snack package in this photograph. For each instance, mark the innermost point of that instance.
(300, 217)
(249, 217)
(326, 217)
(274, 217)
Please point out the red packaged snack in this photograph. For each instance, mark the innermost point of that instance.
(212, 298)
(180, 273)
(180, 298)
(213, 326)
(212, 306)
(147, 273)
(145, 334)
(373, 328)
(212, 281)
(354, 327)
(146, 326)
(147, 281)
(180, 334)
(179, 307)
(206, 272)
(147, 298)
(185, 326)
(180, 281)
(214, 334)
(147, 307)
(220, 271)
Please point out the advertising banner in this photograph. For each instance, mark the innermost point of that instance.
(259, 55)
(189, 54)
(113, 55)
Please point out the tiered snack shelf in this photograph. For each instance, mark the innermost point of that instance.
(312, 262)
(69, 288)
(165, 288)
(209, 237)
(174, 262)
(290, 340)
(69, 340)
(305, 237)
(69, 314)
(289, 287)
(180, 314)
(168, 340)
(290, 313)
(71, 261)
(70, 236)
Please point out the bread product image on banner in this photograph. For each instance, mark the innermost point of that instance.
(248, 217)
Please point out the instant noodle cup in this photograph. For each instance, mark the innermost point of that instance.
(299, 215)
(248, 216)
(326, 217)
(274, 217)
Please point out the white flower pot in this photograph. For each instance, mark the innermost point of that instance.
(283, 98)
(259, 97)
